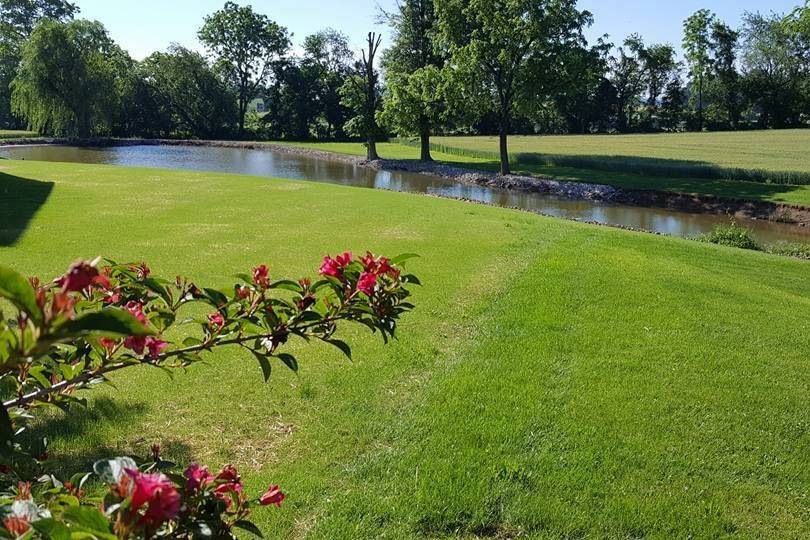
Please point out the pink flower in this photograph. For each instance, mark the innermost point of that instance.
(242, 292)
(229, 474)
(108, 344)
(155, 347)
(79, 276)
(136, 309)
(216, 321)
(378, 266)
(345, 259)
(366, 283)
(135, 344)
(273, 495)
(260, 276)
(198, 477)
(156, 491)
(334, 267)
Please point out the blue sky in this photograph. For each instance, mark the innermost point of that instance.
(144, 26)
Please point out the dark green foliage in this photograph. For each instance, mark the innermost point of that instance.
(66, 84)
(183, 93)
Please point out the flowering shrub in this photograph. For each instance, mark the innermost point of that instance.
(100, 317)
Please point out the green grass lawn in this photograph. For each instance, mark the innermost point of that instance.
(16, 134)
(778, 150)
(556, 380)
(776, 193)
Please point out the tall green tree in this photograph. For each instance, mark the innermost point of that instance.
(515, 50)
(696, 44)
(725, 77)
(184, 86)
(17, 20)
(328, 60)
(66, 84)
(658, 62)
(245, 45)
(363, 94)
(774, 69)
(413, 68)
(628, 77)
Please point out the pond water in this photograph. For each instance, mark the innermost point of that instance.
(283, 165)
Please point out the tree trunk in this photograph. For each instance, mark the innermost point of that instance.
(502, 136)
(371, 149)
(700, 103)
(424, 153)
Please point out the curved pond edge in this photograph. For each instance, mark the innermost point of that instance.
(745, 209)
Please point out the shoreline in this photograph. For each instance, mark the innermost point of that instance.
(682, 202)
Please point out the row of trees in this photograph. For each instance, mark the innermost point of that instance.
(469, 66)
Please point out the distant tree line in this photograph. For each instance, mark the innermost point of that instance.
(454, 66)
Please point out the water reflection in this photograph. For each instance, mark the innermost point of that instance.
(282, 165)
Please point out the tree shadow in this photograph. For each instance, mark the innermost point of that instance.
(80, 430)
(20, 200)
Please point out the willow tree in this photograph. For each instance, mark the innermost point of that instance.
(515, 52)
(17, 20)
(66, 80)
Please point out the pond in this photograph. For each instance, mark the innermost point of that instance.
(284, 165)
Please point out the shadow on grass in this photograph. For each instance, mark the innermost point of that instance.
(80, 430)
(20, 200)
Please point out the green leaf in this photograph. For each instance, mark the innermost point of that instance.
(249, 526)
(51, 529)
(89, 519)
(264, 362)
(217, 298)
(399, 259)
(17, 289)
(112, 323)
(410, 278)
(289, 361)
(342, 345)
(6, 427)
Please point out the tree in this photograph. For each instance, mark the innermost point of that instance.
(696, 44)
(245, 45)
(328, 61)
(363, 94)
(415, 104)
(66, 80)
(17, 20)
(773, 68)
(514, 51)
(628, 77)
(673, 103)
(658, 62)
(726, 79)
(185, 86)
(583, 105)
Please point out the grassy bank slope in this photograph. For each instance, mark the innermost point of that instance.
(557, 379)
(776, 193)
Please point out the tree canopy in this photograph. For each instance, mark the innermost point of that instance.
(246, 45)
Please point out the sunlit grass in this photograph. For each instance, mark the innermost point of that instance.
(556, 380)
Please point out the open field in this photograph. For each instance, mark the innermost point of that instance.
(770, 156)
(16, 134)
(557, 379)
(776, 193)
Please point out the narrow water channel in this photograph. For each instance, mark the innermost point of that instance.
(283, 165)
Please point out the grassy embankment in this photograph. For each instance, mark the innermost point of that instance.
(716, 164)
(557, 379)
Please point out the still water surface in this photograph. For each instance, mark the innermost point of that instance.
(282, 165)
